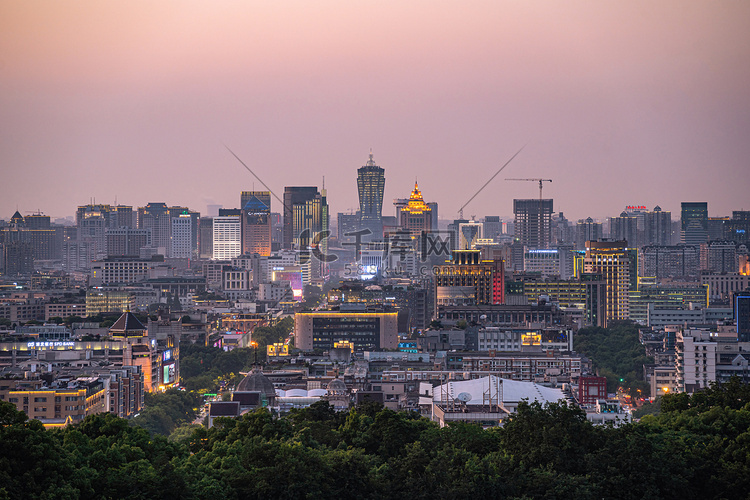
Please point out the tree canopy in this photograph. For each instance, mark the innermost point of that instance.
(697, 448)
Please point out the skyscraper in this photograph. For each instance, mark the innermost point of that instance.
(370, 186)
(657, 227)
(587, 230)
(694, 224)
(294, 195)
(256, 222)
(624, 227)
(227, 241)
(533, 222)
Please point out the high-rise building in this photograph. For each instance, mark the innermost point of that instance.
(256, 222)
(533, 222)
(657, 227)
(738, 227)
(717, 228)
(156, 217)
(227, 241)
(587, 230)
(294, 195)
(719, 256)
(670, 261)
(127, 241)
(562, 232)
(347, 225)
(694, 223)
(468, 280)
(309, 218)
(416, 216)
(612, 261)
(206, 237)
(370, 187)
(492, 226)
(181, 237)
(625, 228)
(29, 241)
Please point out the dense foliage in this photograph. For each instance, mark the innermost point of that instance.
(698, 447)
(617, 354)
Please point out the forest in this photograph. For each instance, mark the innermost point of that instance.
(696, 447)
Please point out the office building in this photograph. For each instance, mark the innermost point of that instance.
(533, 222)
(256, 222)
(206, 237)
(226, 237)
(181, 237)
(294, 195)
(467, 279)
(718, 228)
(126, 241)
(721, 286)
(612, 261)
(370, 187)
(347, 225)
(694, 223)
(587, 230)
(738, 227)
(365, 331)
(493, 226)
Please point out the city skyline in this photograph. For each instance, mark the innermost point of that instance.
(136, 102)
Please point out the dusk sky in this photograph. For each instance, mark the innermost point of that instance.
(619, 102)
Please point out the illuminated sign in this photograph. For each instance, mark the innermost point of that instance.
(277, 349)
(167, 355)
(344, 344)
(51, 344)
(636, 207)
(169, 374)
(531, 339)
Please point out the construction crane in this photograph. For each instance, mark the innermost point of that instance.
(540, 181)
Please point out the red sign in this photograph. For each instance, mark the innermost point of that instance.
(635, 207)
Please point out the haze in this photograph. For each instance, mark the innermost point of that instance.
(620, 103)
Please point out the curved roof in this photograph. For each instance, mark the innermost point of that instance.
(337, 387)
(256, 381)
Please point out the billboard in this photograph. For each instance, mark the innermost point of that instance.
(169, 374)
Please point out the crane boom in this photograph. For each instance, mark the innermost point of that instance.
(540, 181)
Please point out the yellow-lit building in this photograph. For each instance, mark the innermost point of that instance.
(109, 301)
(56, 407)
(416, 216)
(612, 261)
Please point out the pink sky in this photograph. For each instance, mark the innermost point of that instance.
(619, 102)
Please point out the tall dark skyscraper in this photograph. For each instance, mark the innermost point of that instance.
(694, 229)
(533, 222)
(370, 186)
(296, 195)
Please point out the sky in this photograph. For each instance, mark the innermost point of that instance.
(618, 102)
